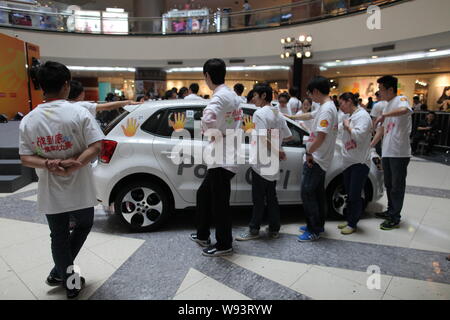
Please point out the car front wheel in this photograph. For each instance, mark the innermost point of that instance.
(142, 205)
(337, 199)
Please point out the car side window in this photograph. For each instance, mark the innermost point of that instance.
(165, 121)
(297, 137)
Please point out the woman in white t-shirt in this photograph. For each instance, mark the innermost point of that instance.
(306, 108)
(283, 106)
(356, 136)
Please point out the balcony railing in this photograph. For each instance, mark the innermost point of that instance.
(178, 22)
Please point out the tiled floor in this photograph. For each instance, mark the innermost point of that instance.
(165, 265)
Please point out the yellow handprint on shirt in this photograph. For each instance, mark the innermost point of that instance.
(180, 121)
(248, 124)
(131, 128)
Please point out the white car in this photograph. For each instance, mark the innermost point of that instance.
(135, 172)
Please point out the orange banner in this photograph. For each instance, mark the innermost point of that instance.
(13, 77)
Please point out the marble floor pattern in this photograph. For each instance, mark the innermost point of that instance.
(166, 265)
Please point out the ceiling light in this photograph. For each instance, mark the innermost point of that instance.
(283, 41)
(287, 54)
(288, 39)
(433, 50)
(302, 38)
(308, 39)
(374, 57)
(338, 60)
(299, 55)
(282, 56)
(308, 54)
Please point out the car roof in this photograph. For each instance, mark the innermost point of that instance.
(176, 103)
(186, 103)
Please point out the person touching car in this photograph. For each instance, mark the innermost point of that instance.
(266, 119)
(356, 137)
(221, 115)
(77, 95)
(319, 154)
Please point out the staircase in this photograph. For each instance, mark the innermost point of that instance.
(13, 175)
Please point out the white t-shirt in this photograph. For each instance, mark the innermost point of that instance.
(325, 120)
(268, 117)
(247, 7)
(294, 105)
(60, 130)
(193, 96)
(90, 106)
(284, 110)
(341, 117)
(243, 99)
(222, 113)
(356, 146)
(314, 106)
(396, 141)
(378, 108)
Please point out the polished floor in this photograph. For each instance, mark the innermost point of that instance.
(166, 265)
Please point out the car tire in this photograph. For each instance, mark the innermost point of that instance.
(336, 197)
(143, 205)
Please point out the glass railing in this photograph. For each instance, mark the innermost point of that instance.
(13, 14)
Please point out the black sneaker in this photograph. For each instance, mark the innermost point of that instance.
(202, 243)
(53, 281)
(389, 225)
(212, 251)
(383, 215)
(73, 293)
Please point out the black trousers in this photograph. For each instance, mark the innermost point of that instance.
(395, 172)
(213, 201)
(355, 178)
(65, 244)
(314, 197)
(264, 191)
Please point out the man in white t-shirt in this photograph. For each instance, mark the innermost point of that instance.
(268, 122)
(294, 103)
(247, 8)
(319, 154)
(60, 139)
(396, 129)
(193, 92)
(377, 110)
(213, 196)
(283, 104)
(77, 95)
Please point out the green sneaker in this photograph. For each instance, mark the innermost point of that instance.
(248, 236)
(348, 230)
(342, 225)
(389, 225)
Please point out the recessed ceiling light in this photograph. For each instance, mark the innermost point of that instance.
(433, 50)
(374, 57)
(338, 60)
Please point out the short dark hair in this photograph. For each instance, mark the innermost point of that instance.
(139, 97)
(194, 88)
(348, 96)
(284, 95)
(389, 82)
(264, 88)
(238, 88)
(294, 92)
(250, 95)
(76, 88)
(416, 98)
(52, 76)
(321, 84)
(216, 69)
(182, 91)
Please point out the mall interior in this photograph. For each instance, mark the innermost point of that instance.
(140, 50)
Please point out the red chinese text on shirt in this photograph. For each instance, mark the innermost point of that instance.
(54, 143)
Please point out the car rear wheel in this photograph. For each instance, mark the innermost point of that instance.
(142, 205)
(336, 198)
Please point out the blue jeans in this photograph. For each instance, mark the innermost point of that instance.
(313, 197)
(66, 244)
(395, 171)
(264, 191)
(355, 178)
